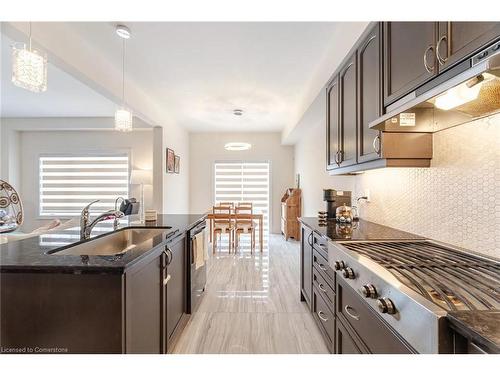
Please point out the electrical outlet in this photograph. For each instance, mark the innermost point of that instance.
(367, 195)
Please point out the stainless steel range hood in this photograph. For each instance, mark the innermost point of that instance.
(468, 91)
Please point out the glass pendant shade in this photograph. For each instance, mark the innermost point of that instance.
(123, 120)
(29, 68)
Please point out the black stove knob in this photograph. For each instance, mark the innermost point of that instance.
(348, 273)
(339, 265)
(369, 291)
(386, 306)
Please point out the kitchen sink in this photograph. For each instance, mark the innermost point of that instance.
(115, 243)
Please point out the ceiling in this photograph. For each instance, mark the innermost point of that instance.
(65, 96)
(195, 73)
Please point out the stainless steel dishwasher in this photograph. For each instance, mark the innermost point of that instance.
(197, 277)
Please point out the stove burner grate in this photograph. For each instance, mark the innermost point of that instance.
(452, 279)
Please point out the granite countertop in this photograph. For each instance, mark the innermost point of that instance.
(361, 230)
(31, 254)
(481, 327)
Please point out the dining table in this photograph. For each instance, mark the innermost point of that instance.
(255, 216)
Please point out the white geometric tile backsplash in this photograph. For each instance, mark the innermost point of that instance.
(456, 201)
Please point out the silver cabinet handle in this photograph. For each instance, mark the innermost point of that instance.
(429, 69)
(322, 288)
(321, 246)
(440, 59)
(376, 144)
(321, 316)
(347, 308)
(336, 158)
(166, 279)
(322, 267)
(168, 254)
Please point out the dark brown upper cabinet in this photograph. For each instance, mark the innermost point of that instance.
(369, 94)
(348, 113)
(332, 124)
(409, 58)
(458, 40)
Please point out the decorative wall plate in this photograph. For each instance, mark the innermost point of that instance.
(11, 208)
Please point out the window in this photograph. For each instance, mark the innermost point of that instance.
(241, 181)
(68, 183)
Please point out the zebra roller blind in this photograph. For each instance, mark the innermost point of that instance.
(241, 181)
(68, 183)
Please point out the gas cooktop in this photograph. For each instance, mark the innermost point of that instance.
(451, 279)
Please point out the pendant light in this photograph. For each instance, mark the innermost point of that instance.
(123, 115)
(29, 67)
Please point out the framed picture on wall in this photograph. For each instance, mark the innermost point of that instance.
(170, 160)
(177, 164)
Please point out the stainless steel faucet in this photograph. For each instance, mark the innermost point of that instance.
(86, 225)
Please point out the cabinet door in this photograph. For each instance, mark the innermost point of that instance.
(142, 300)
(344, 342)
(369, 94)
(458, 40)
(409, 57)
(306, 264)
(348, 113)
(332, 124)
(176, 285)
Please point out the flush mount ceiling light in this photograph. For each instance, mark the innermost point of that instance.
(238, 112)
(123, 116)
(237, 146)
(29, 67)
(123, 31)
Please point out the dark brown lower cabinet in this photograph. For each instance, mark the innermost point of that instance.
(356, 314)
(325, 318)
(142, 308)
(65, 312)
(175, 292)
(306, 264)
(345, 343)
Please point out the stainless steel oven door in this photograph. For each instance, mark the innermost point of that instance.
(197, 277)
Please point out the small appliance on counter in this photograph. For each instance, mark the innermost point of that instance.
(335, 199)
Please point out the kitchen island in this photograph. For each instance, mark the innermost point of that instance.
(52, 301)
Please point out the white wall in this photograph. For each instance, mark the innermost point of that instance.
(138, 144)
(176, 186)
(9, 154)
(206, 148)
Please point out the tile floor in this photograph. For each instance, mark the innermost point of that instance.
(252, 305)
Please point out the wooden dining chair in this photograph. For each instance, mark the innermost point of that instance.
(226, 204)
(222, 224)
(245, 204)
(243, 224)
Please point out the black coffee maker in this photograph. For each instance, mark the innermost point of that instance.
(334, 199)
